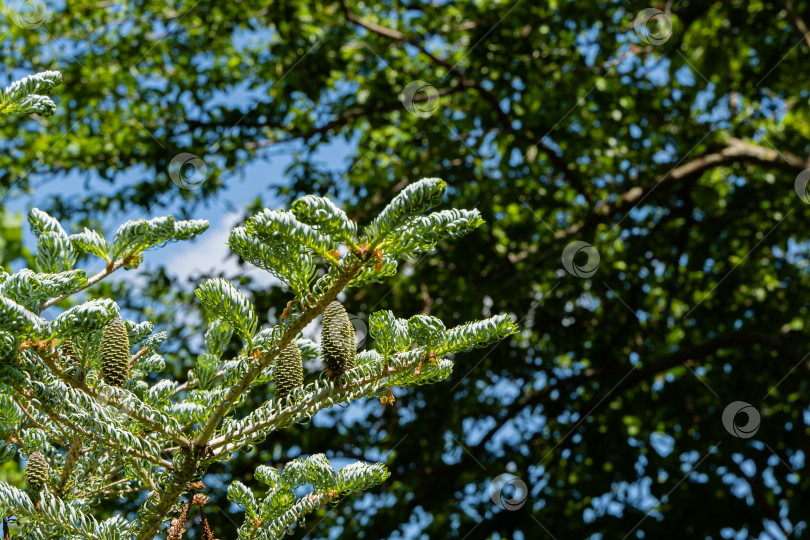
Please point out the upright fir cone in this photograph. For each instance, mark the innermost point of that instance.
(36, 471)
(289, 371)
(115, 356)
(70, 361)
(338, 345)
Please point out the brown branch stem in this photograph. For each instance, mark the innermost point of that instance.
(197, 451)
(236, 390)
(109, 269)
(70, 463)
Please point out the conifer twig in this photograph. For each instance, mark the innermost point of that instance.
(109, 269)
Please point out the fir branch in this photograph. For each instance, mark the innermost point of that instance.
(322, 213)
(160, 502)
(188, 385)
(127, 431)
(67, 467)
(147, 479)
(24, 409)
(126, 408)
(411, 201)
(120, 493)
(109, 269)
(106, 484)
(362, 381)
(278, 528)
(137, 356)
(170, 494)
(292, 331)
(30, 95)
(57, 418)
(56, 513)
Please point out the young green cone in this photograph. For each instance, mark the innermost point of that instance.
(115, 356)
(338, 345)
(289, 371)
(36, 471)
(70, 361)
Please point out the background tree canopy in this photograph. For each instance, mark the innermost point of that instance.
(640, 173)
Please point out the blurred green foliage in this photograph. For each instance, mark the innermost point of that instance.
(11, 246)
(675, 158)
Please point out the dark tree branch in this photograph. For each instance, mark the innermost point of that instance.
(736, 152)
(558, 162)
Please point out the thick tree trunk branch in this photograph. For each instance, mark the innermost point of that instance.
(376, 28)
(736, 152)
